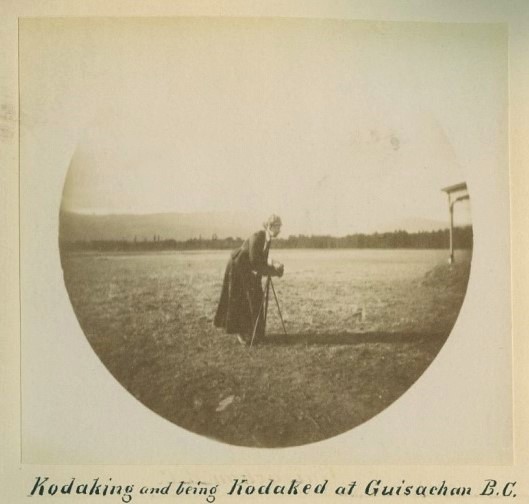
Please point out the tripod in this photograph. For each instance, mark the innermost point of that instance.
(263, 310)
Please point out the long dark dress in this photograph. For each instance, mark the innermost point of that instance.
(242, 292)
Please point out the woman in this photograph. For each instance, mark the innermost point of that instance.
(242, 293)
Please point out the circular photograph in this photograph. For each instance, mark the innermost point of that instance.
(265, 230)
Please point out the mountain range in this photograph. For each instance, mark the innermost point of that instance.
(184, 226)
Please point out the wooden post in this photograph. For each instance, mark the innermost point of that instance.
(451, 256)
(454, 190)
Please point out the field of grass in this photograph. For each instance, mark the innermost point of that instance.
(362, 326)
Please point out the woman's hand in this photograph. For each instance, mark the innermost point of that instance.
(279, 268)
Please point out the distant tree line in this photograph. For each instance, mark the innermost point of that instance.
(396, 239)
(392, 240)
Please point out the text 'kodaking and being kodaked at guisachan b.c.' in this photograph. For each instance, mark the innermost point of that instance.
(239, 487)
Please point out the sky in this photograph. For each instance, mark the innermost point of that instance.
(339, 127)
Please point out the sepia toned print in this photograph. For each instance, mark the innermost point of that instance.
(370, 261)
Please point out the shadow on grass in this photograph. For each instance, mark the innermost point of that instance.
(351, 338)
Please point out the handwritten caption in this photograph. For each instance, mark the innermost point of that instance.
(241, 487)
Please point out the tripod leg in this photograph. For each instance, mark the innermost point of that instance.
(257, 323)
(267, 296)
(264, 305)
(278, 308)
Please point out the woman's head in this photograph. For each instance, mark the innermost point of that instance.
(273, 225)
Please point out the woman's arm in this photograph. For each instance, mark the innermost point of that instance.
(258, 260)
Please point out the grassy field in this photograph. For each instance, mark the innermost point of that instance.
(363, 326)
